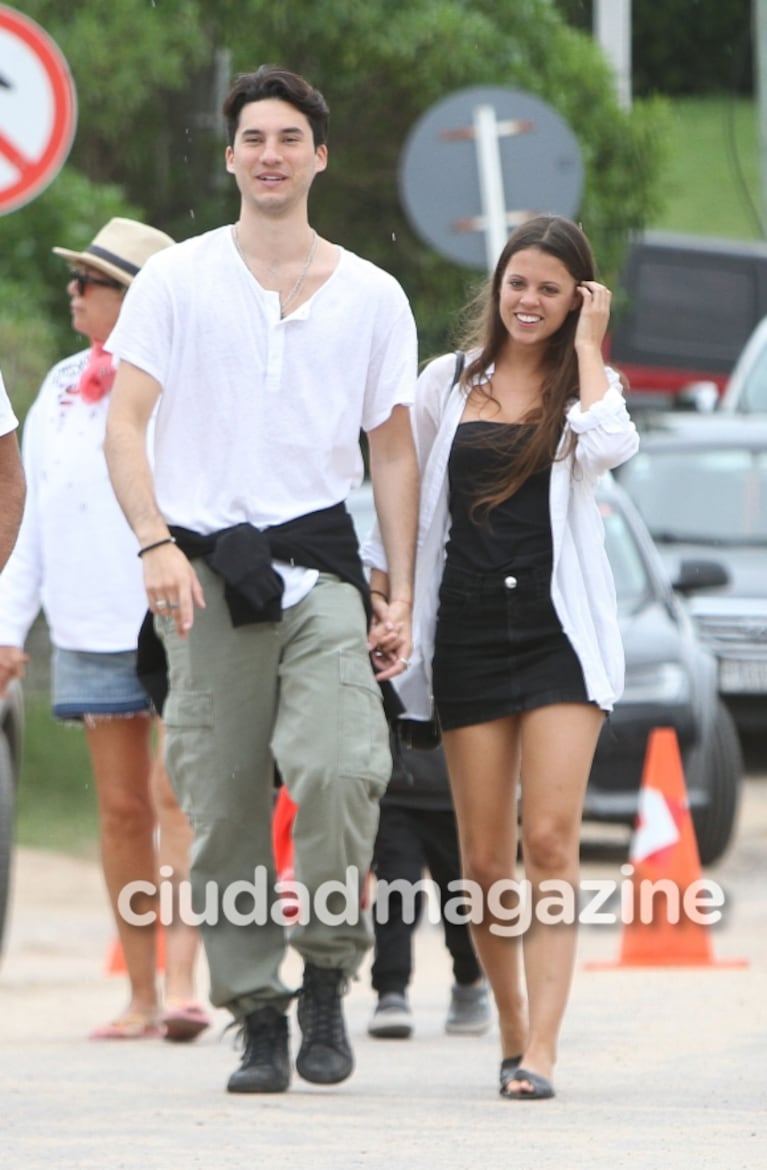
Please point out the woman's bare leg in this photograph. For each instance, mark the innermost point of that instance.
(175, 842)
(558, 744)
(120, 751)
(483, 767)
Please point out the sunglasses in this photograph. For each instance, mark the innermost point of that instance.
(83, 279)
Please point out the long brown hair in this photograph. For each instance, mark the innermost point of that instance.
(485, 331)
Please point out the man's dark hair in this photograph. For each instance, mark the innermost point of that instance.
(271, 81)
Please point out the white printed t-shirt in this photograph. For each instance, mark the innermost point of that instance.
(75, 555)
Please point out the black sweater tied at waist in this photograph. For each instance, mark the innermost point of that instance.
(242, 555)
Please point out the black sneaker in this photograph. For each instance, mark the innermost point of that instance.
(265, 1066)
(325, 1056)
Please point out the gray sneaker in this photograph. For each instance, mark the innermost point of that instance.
(469, 1011)
(392, 1018)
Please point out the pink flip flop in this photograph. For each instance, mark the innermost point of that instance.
(130, 1027)
(184, 1021)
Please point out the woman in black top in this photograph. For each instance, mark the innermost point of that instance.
(515, 623)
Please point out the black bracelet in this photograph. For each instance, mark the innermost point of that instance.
(380, 594)
(148, 548)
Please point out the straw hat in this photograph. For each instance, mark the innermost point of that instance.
(120, 249)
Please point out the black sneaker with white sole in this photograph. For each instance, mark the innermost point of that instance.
(325, 1056)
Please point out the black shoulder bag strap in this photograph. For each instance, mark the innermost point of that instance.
(460, 358)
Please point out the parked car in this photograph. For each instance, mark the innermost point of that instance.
(671, 681)
(684, 308)
(11, 736)
(700, 484)
(746, 388)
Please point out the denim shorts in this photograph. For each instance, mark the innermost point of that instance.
(85, 683)
(500, 647)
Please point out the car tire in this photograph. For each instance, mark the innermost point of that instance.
(723, 769)
(7, 816)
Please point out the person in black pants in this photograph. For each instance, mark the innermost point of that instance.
(417, 830)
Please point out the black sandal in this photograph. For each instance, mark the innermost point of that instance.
(540, 1089)
(509, 1067)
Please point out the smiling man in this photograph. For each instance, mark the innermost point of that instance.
(264, 350)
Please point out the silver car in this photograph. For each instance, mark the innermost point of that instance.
(700, 484)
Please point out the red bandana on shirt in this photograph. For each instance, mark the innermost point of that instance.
(98, 376)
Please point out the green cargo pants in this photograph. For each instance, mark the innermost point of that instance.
(299, 693)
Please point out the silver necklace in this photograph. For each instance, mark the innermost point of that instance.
(289, 297)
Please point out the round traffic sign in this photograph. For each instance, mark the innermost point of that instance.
(38, 109)
(536, 154)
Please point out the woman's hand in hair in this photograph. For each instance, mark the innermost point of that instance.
(594, 314)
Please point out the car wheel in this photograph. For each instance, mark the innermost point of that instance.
(7, 801)
(723, 769)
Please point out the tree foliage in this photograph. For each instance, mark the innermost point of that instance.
(683, 47)
(149, 75)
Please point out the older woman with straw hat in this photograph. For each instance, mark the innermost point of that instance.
(76, 558)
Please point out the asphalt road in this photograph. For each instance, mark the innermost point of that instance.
(659, 1067)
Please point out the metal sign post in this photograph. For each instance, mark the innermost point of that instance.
(490, 182)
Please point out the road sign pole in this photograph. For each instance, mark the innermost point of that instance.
(490, 182)
(612, 28)
(760, 61)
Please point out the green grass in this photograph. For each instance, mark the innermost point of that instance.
(56, 807)
(713, 183)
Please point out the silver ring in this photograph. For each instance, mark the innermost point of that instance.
(405, 661)
(173, 605)
(162, 604)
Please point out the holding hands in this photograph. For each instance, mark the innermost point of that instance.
(389, 640)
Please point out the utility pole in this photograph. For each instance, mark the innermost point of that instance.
(612, 29)
(759, 13)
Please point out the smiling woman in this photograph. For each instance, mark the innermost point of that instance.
(515, 625)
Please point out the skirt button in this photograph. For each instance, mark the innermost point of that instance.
(510, 582)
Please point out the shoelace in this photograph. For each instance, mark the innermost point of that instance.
(257, 1038)
(319, 1007)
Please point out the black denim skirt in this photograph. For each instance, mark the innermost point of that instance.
(500, 647)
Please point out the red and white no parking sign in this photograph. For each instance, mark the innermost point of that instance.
(38, 109)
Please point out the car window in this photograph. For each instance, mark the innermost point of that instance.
(631, 581)
(708, 495)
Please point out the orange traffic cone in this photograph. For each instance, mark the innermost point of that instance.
(663, 925)
(283, 815)
(115, 964)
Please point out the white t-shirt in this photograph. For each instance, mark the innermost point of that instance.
(259, 417)
(8, 420)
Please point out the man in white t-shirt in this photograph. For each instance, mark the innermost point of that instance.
(12, 485)
(261, 350)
